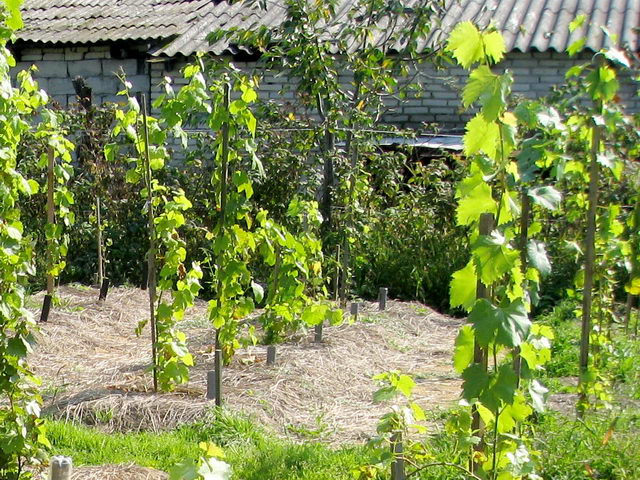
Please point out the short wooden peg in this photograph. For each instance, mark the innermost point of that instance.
(382, 298)
(355, 310)
(104, 289)
(211, 385)
(61, 468)
(397, 466)
(271, 354)
(46, 308)
(318, 334)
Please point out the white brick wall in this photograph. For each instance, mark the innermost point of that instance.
(58, 66)
(535, 73)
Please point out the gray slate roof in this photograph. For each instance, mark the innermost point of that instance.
(184, 24)
(92, 21)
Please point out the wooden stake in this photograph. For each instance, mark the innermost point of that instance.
(271, 354)
(224, 174)
(104, 289)
(218, 377)
(383, 293)
(355, 310)
(397, 466)
(46, 308)
(524, 265)
(589, 264)
(635, 268)
(51, 214)
(211, 385)
(99, 238)
(480, 354)
(51, 219)
(61, 468)
(151, 255)
(318, 333)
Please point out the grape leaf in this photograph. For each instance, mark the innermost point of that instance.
(538, 394)
(490, 89)
(507, 326)
(493, 257)
(464, 349)
(537, 255)
(494, 47)
(478, 200)
(547, 197)
(475, 381)
(463, 287)
(465, 44)
(480, 136)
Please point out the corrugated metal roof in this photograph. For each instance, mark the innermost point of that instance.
(91, 21)
(526, 24)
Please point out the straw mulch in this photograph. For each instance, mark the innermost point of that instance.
(94, 369)
(111, 472)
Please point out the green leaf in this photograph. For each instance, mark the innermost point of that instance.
(494, 46)
(464, 348)
(493, 257)
(633, 287)
(507, 326)
(537, 255)
(538, 394)
(577, 22)
(481, 136)
(490, 89)
(405, 385)
(465, 44)
(474, 202)
(576, 46)
(185, 470)
(475, 381)
(314, 314)
(384, 394)
(547, 197)
(258, 291)
(463, 287)
(14, 19)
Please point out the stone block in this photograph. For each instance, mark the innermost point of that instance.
(85, 68)
(53, 56)
(104, 85)
(140, 83)
(60, 100)
(71, 56)
(31, 57)
(96, 55)
(60, 86)
(129, 65)
(52, 69)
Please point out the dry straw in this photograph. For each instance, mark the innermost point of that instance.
(94, 369)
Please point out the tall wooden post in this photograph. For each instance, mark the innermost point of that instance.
(151, 255)
(51, 220)
(224, 174)
(480, 355)
(589, 263)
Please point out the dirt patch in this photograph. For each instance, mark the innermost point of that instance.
(94, 368)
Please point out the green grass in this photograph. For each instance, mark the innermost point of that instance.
(253, 453)
(565, 348)
(603, 446)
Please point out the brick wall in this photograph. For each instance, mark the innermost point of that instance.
(535, 73)
(58, 66)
